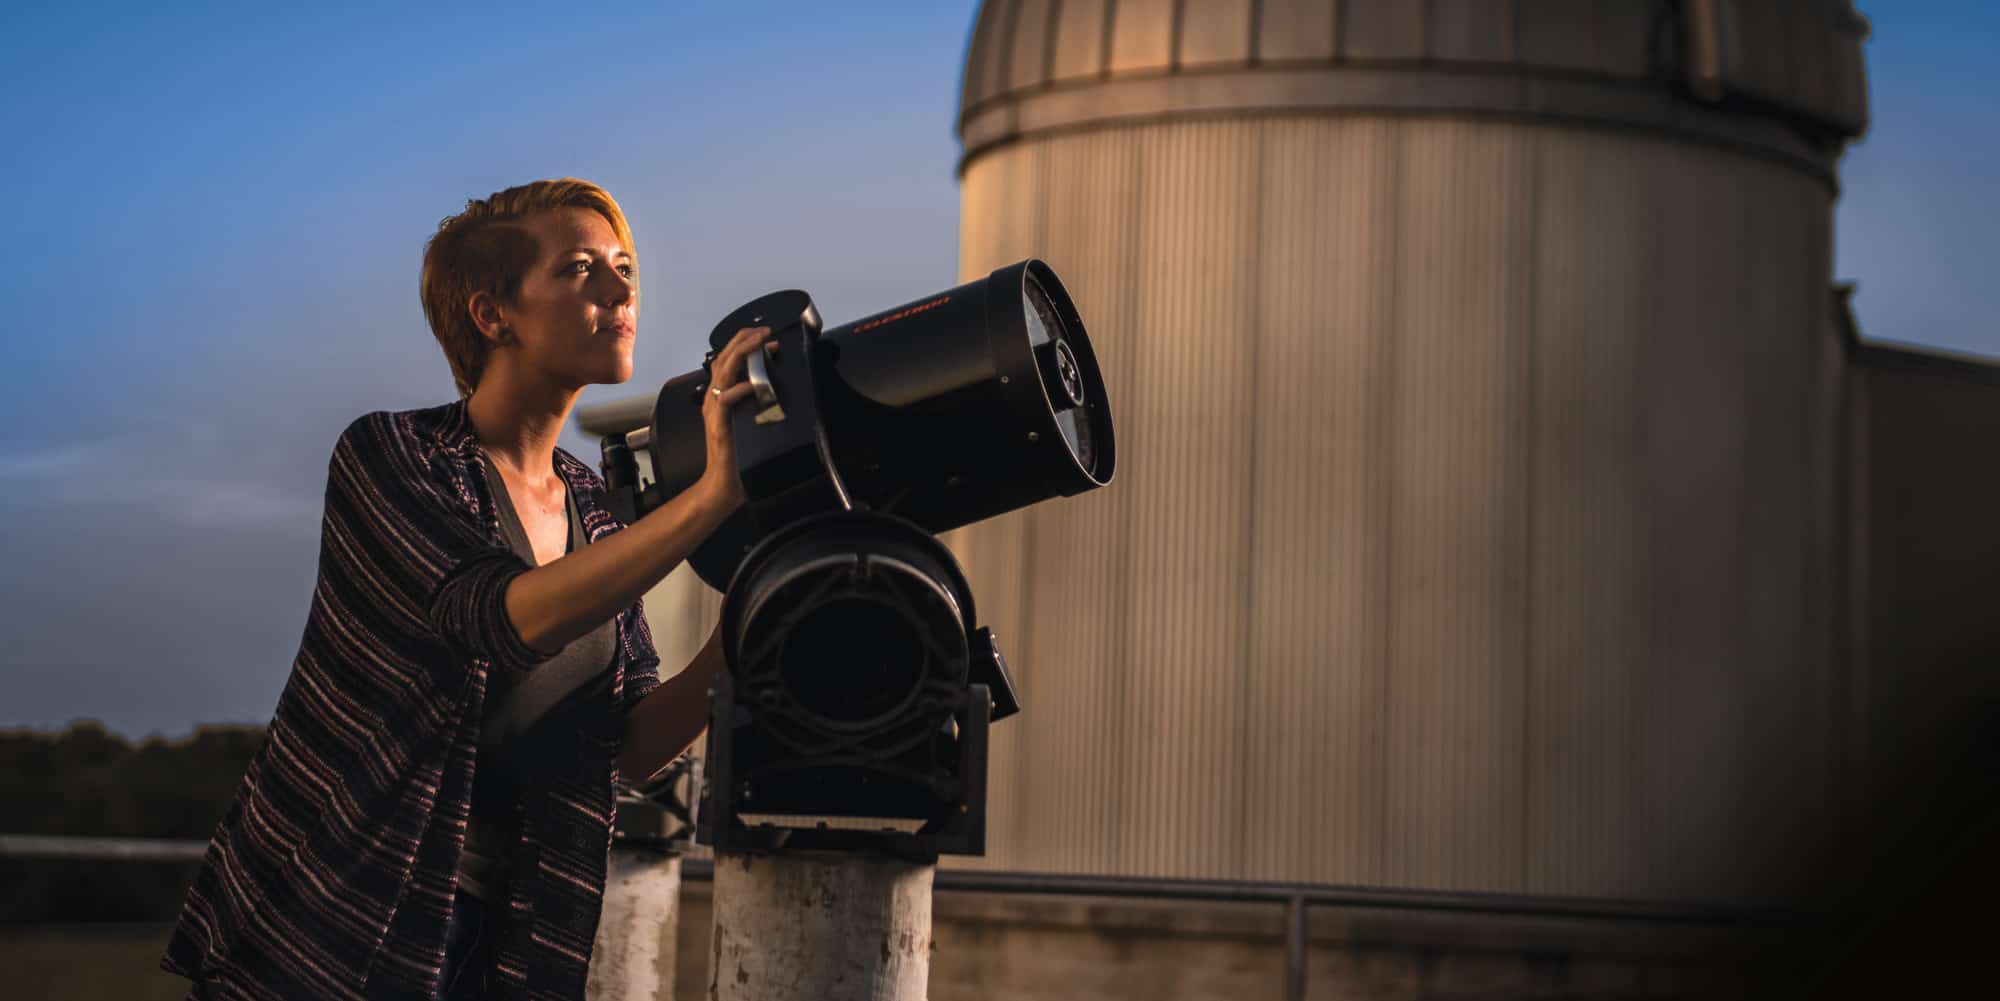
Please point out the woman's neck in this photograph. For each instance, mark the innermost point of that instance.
(518, 423)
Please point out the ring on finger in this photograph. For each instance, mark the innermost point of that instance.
(715, 390)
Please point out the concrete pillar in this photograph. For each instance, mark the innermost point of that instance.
(633, 956)
(820, 927)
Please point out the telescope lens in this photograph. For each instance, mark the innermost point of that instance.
(1062, 376)
(852, 660)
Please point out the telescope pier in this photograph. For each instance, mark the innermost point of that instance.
(820, 926)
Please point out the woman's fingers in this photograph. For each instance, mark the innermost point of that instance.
(727, 368)
(725, 400)
(741, 344)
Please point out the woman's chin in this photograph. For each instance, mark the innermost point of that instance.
(617, 375)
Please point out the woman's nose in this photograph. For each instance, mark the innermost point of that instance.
(618, 289)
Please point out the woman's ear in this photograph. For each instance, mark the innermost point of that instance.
(487, 315)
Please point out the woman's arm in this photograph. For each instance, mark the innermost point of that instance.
(671, 717)
(563, 599)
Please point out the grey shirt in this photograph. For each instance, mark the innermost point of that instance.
(514, 705)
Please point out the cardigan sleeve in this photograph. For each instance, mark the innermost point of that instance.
(642, 661)
(635, 639)
(418, 550)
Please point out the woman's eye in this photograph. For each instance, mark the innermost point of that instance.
(580, 266)
(628, 271)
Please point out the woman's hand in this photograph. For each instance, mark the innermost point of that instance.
(557, 602)
(720, 481)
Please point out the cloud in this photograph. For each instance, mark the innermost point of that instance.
(31, 464)
(186, 478)
(230, 502)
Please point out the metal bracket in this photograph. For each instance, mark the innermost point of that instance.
(663, 814)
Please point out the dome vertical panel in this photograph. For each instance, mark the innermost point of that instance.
(1714, 36)
(1762, 31)
(1143, 702)
(1114, 244)
(1626, 34)
(1029, 61)
(1776, 472)
(1818, 68)
(1080, 40)
(1382, 32)
(1586, 550)
(1559, 34)
(1142, 35)
(1188, 458)
(1456, 643)
(1789, 480)
(1851, 76)
(1826, 680)
(1819, 679)
(1318, 508)
(1214, 32)
(1695, 385)
(1472, 31)
(1295, 32)
(987, 49)
(1279, 743)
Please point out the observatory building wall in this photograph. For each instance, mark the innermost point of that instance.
(1923, 715)
(1476, 519)
(1473, 518)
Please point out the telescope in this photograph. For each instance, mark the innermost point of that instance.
(860, 685)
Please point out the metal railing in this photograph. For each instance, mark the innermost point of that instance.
(32, 846)
(1296, 897)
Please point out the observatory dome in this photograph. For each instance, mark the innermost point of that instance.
(1038, 66)
(1477, 501)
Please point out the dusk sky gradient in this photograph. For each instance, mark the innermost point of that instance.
(216, 215)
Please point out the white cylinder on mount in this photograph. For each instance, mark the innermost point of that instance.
(633, 957)
(820, 927)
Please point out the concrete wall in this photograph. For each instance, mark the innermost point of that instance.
(998, 948)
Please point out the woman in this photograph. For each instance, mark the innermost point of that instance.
(475, 674)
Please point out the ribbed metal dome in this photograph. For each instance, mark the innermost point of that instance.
(1043, 65)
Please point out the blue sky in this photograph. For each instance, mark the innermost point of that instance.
(215, 215)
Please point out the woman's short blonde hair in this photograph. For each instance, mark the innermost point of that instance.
(486, 249)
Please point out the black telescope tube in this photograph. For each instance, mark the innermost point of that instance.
(944, 411)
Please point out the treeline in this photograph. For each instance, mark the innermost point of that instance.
(89, 782)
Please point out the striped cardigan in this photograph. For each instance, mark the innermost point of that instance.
(333, 870)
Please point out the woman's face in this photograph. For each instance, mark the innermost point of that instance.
(578, 307)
